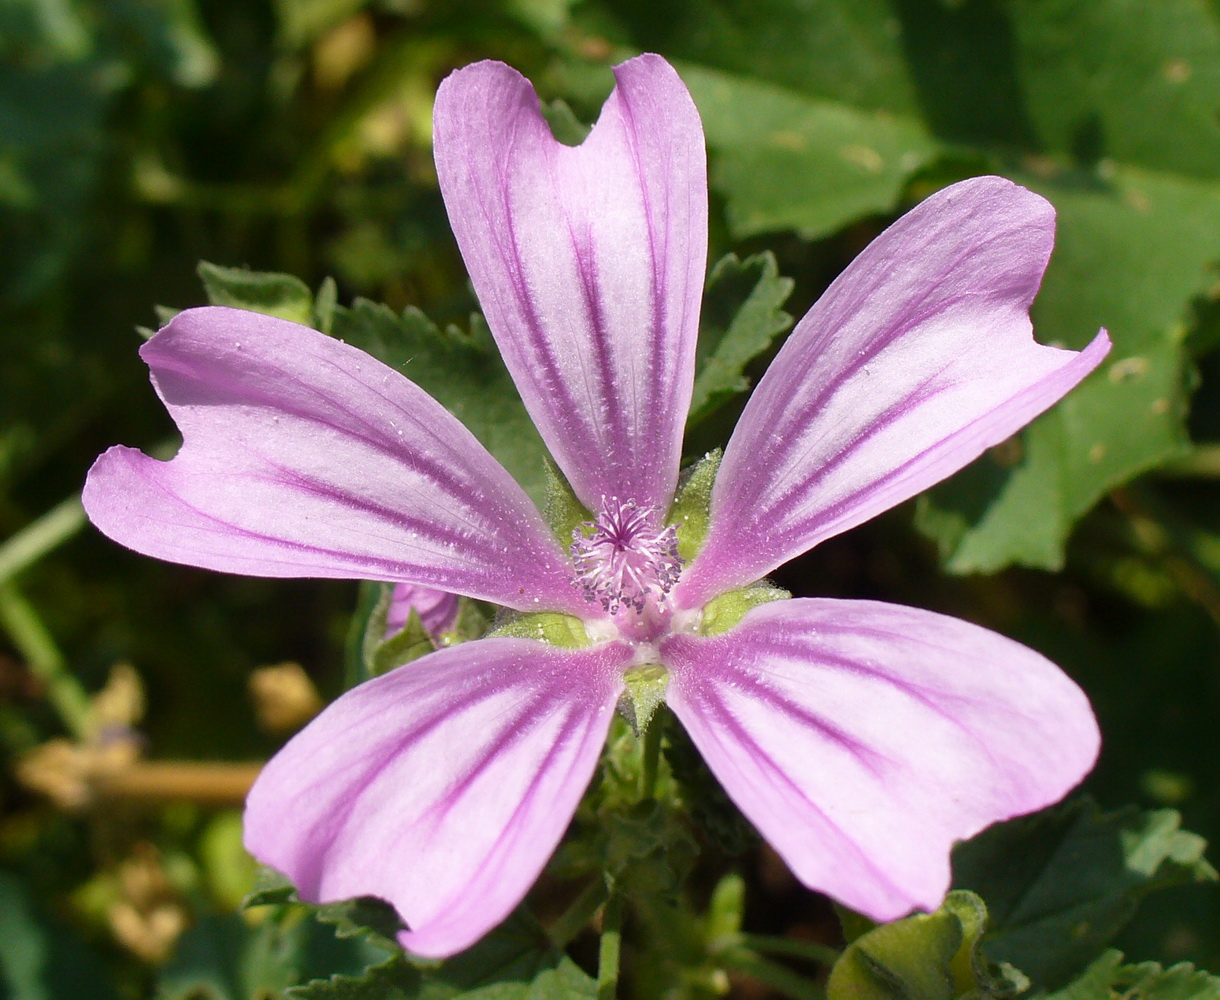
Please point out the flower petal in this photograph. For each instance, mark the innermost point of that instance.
(863, 739)
(303, 456)
(588, 261)
(442, 786)
(918, 357)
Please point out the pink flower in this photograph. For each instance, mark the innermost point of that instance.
(862, 739)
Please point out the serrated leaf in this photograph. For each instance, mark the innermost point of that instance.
(462, 371)
(279, 295)
(514, 962)
(224, 958)
(392, 980)
(742, 315)
(364, 917)
(1108, 978)
(270, 889)
(1060, 884)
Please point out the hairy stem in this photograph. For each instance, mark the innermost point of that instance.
(608, 953)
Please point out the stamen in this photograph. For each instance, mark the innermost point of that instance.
(622, 557)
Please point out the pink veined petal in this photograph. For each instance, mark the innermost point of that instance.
(437, 609)
(588, 261)
(918, 357)
(863, 739)
(442, 786)
(304, 457)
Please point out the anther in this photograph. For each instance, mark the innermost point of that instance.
(623, 557)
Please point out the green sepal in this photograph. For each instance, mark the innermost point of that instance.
(280, 295)
(368, 620)
(563, 512)
(691, 512)
(645, 693)
(721, 613)
(550, 627)
(324, 304)
(932, 956)
(470, 623)
(412, 642)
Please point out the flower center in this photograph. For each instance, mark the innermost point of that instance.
(623, 557)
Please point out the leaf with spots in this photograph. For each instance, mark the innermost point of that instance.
(1105, 107)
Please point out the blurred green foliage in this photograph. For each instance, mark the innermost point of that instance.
(138, 137)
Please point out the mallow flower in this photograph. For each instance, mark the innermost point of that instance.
(861, 738)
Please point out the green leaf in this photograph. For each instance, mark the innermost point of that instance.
(462, 371)
(41, 958)
(1060, 884)
(223, 958)
(279, 295)
(514, 962)
(365, 917)
(1108, 978)
(742, 314)
(1108, 113)
(933, 956)
(786, 160)
(270, 889)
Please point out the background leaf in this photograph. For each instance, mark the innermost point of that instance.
(1061, 884)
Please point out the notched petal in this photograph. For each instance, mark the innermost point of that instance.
(917, 358)
(588, 262)
(864, 739)
(304, 457)
(442, 786)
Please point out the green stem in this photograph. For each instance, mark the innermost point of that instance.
(608, 953)
(44, 659)
(652, 757)
(778, 977)
(577, 916)
(39, 537)
(811, 951)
